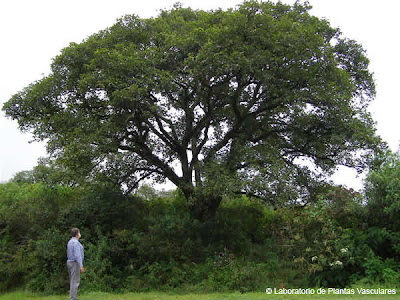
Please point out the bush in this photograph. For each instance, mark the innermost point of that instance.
(49, 273)
(137, 243)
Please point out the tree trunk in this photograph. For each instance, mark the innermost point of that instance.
(204, 206)
(203, 202)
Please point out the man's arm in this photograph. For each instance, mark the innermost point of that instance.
(78, 256)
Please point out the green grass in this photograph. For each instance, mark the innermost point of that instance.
(170, 296)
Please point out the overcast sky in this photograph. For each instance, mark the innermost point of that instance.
(34, 32)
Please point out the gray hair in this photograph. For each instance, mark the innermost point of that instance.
(74, 232)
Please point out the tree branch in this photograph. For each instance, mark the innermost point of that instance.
(143, 150)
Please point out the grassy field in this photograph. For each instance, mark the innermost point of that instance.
(217, 296)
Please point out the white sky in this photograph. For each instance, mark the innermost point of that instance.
(34, 32)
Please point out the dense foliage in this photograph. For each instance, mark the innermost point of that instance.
(246, 111)
(216, 102)
(150, 240)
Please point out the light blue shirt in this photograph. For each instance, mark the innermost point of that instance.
(75, 251)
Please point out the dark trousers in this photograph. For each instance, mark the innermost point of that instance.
(74, 279)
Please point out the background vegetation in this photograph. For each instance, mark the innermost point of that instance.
(247, 111)
(150, 241)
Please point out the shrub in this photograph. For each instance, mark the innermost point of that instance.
(48, 255)
(138, 243)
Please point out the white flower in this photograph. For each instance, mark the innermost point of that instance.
(314, 258)
(344, 250)
(336, 263)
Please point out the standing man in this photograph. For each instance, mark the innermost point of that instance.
(74, 262)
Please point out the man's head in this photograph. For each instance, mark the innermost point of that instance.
(75, 233)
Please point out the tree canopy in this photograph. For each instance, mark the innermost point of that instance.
(215, 101)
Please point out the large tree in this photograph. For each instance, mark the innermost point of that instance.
(213, 101)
